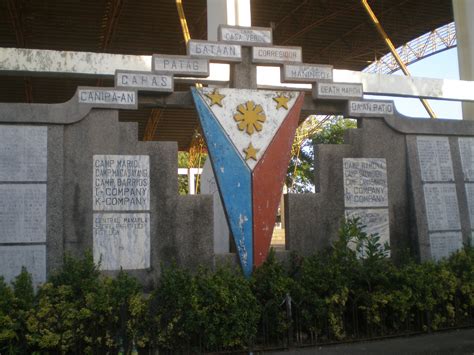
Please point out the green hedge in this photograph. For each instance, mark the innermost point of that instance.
(334, 296)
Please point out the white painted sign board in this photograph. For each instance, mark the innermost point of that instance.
(365, 182)
(144, 81)
(305, 73)
(215, 51)
(121, 183)
(180, 65)
(121, 240)
(276, 55)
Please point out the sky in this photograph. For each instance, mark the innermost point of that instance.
(443, 65)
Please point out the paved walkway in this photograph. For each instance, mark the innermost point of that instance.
(446, 342)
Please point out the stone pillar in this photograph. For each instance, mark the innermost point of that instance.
(229, 12)
(221, 228)
(463, 11)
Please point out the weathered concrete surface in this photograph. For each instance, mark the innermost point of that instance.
(180, 227)
(23, 61)
(419, 221)
(463, 10)
(221, 228)
(312, 220)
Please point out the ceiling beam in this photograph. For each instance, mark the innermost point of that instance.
(317, 23)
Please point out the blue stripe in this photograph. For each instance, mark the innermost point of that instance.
(234, 181)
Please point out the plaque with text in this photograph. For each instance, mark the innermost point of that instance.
(144, 81)
(375, 221)
(121, 240)
(443, 244)
(180, 65)
(108, 98)
(215, 51)
(365, 182)
(470, 201)
(434, 155)
(305, 73)
(33, 257)
(337, 91)
(370, 108)
(23, 153)
(276, 55)
(121, 183)
(442, 209)
(466, 149)
(22, 213)
(245, 36)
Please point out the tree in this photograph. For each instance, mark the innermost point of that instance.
(300, 176)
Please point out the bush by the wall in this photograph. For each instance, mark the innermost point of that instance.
(333, 295)
(15, 305)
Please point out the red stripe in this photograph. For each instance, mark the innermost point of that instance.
(267, 182)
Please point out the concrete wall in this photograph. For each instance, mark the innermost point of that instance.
(180, 229)
(463, 12)
(312, 220)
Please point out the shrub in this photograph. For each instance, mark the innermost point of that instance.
(173, 311)
(271, 284)
(227, 310)
(335, 295)
(80, 311)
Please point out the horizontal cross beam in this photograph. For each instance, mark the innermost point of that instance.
(34, 62)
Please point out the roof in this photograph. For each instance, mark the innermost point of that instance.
(330, 32)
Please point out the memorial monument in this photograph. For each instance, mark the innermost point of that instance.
(67, 186)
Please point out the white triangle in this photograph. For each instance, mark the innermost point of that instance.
(274, 117)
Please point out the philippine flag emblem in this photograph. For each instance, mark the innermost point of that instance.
(249, 135)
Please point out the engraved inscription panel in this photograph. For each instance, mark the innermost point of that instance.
(22, 213)
(466, 149)
(434, 155)
(442, 209)
(470, 202)
(337, 90)
(370, 108)
(23, 153)
(245, 35)
(375, 222)
(121, 240)
(444, 244)
(121, 182)
(111, 98)
(33, 257)
(365, 182)
(214, 50)
(144, 81)
(180, 65)
(306, 73)
(276, 54)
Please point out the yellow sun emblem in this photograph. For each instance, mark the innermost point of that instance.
(250, 118)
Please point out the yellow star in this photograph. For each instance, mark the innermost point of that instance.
(251, 152)
(282, 101)
(216, 98)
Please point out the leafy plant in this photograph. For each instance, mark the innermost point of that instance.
(334, 295)
(300, 174)
(173, 311)
(228, 311)
(271, 284)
